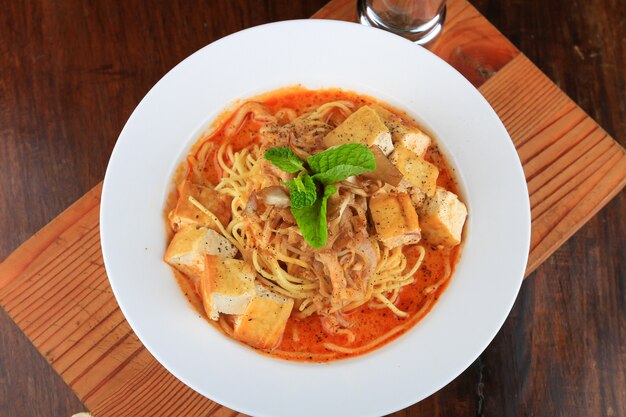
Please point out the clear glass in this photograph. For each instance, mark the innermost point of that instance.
(418, 20)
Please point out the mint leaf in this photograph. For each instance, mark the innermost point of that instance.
(285, 159)
(337, 164)
(302, 191)
(331, 166)
(312, 220)
(329, 190)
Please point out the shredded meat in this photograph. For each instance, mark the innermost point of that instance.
(309, 136)
(336, 274)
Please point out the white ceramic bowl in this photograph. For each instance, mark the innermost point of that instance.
(317, 54)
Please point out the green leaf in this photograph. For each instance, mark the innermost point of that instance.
(331, 166)
(312, 220)
(302, 191)
(329, 190)
(337, 164)
(285, 159)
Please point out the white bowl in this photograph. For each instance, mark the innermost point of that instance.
(316, 54)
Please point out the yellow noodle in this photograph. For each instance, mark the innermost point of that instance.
(349, 334)
(366, 347)
(215, 220)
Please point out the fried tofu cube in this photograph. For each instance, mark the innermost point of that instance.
(414, 140)
(226, 286)
(188, 247)
(386, 115)
(418, 197)
(186, 213)
(442, 217)
(417, 172)
(395, 219)
(364, 126)
(263, 323)
(403, 134)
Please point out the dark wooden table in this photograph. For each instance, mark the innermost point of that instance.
(71, 73)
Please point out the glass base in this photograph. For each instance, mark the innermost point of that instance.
(421, 34)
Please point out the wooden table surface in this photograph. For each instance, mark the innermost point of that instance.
(71, 73)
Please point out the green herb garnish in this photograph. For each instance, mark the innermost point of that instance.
(310, 190)
(302, 190)
(312, 220)
(285, 159)
(337, 164)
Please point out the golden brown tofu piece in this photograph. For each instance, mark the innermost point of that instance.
(188, 247)
(364, 126)
(414, 140)
(402, 133)
(186, 214)
(263, 323)
(395, 219)
(227, 286)
(442, 218)
(386, 115)
(417, 172)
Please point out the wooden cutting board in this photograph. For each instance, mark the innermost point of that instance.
(55, 287)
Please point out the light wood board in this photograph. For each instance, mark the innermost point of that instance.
(55, 287)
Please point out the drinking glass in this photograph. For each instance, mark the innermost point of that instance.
(418, 20)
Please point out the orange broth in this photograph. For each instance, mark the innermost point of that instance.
(304, 339)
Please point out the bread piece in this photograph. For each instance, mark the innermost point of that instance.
(395, 219)
(442, 217)
(189, 246)
(186, 213)
(363, 126)
(227, 286)
(402, 133)
(417, 172)
(263, 323)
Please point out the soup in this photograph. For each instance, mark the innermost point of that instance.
(314, 225)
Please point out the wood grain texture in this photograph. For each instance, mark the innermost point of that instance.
(561, 351)
(55, 288)
(572, 167)
(74, 71)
